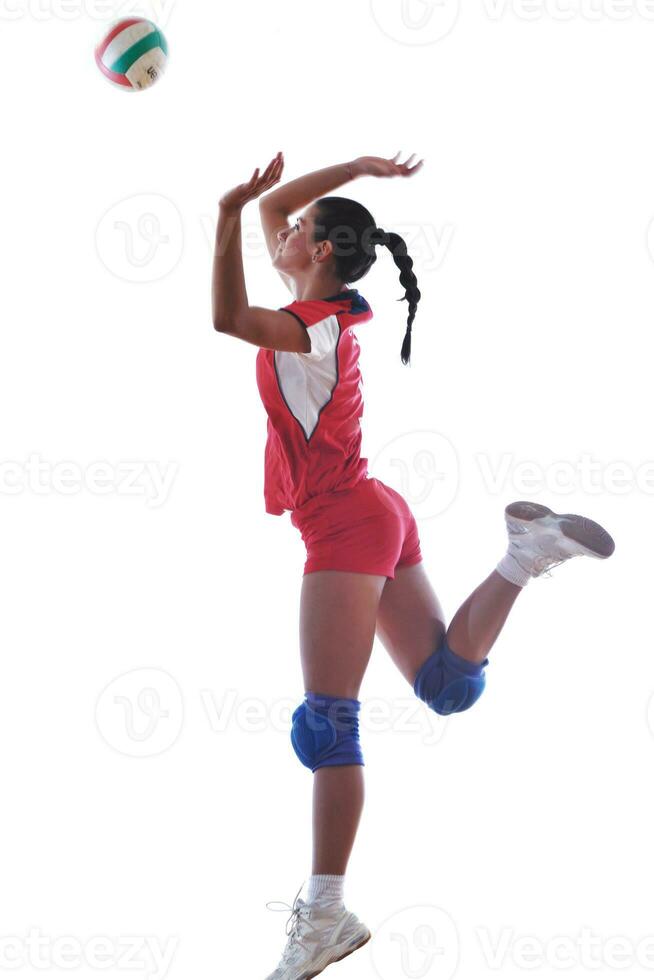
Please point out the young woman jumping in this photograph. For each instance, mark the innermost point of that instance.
(363, 573)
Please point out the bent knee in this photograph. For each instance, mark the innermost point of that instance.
(447, 683)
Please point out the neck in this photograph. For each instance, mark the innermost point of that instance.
(317, 284)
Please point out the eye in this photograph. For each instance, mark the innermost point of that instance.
(296, 226)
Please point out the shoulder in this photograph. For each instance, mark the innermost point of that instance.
(310, 311)
(349, 307)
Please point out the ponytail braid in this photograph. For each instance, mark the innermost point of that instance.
(397, 247)
(354, 236)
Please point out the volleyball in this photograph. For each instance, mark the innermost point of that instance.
(132, 54)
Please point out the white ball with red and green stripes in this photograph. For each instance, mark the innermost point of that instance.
(132, 54)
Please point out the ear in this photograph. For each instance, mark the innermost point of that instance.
(322, 251)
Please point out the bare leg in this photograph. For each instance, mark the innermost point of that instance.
(338, 796)
(338, 612)
(478, 622)
(411, 622)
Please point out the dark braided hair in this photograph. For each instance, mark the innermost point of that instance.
(354, 237)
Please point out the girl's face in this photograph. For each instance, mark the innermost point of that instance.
(296, 245)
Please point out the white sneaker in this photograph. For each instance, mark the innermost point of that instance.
(317, 937)
(539, 539)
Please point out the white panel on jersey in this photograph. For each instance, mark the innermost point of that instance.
(323, 337)
(308, 380)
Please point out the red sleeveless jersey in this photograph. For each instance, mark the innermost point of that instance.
(314, 402)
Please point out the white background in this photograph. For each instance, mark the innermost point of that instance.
(178, 819)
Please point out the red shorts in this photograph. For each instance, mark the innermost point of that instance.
(368, 528)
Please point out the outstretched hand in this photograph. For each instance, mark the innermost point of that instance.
(381, 167)
(234, 200)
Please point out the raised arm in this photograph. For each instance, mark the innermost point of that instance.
(275, 208)
(231, 311)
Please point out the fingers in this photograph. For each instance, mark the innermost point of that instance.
(260, 182)
(270, 169)
(272, 173)
(408, 168)
(276, 169)
(414, 170)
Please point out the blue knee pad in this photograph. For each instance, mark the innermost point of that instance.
(325, 731)
(448, 683)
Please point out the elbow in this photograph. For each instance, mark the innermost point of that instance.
(231, 320)
(268, 206)
(222, 324)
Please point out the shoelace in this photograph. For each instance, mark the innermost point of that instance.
(293, 909)
(292, 923)
(544, 565)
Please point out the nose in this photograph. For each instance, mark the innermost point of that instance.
(283, 234)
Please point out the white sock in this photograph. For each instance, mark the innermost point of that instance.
(325, 890)
(512, 571)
